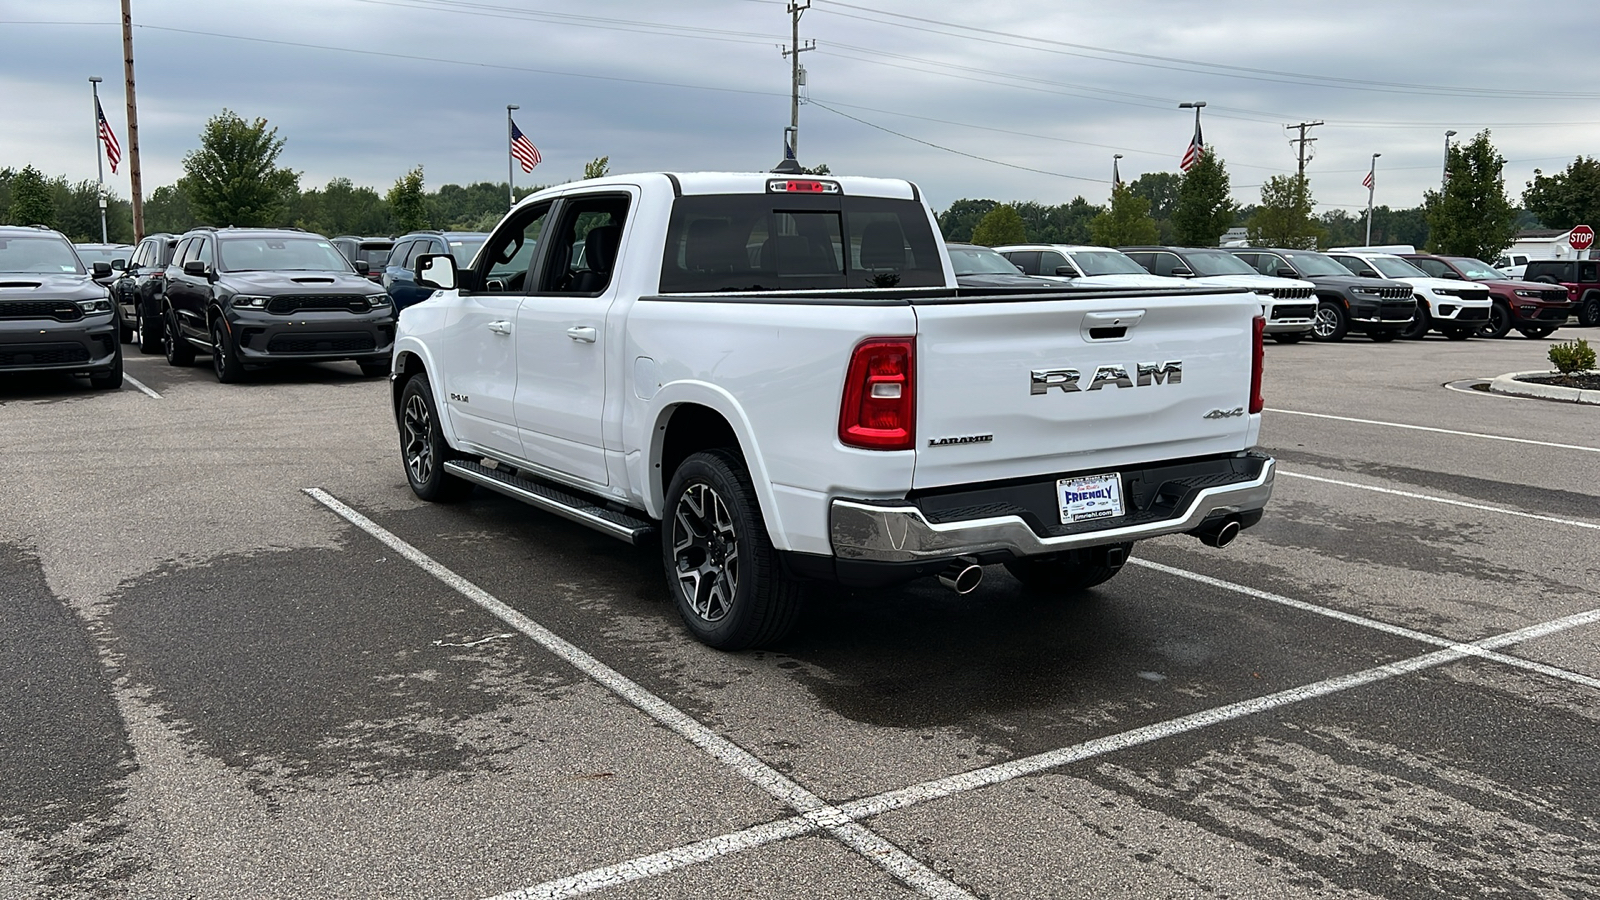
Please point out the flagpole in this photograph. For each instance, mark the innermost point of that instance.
(1372, 187)
(99, 164)
(511, 191)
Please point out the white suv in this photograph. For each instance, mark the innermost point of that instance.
(1289, 304)
(1455, 309)
(1081, 265)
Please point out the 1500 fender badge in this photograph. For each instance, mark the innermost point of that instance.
(1225, 413)
(964, 439)
(459, 398)
(1145, 375)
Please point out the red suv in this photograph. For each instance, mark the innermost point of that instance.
(1536, 310)
(1581, 278)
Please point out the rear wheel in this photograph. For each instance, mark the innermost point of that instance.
(1417, 328)
(1589, 311)
(179, 352)
(1499, 322)
(1292, 337)
(1070, 572)
(149, 333)
(1330, 324)
(1459, 334)
(423, 448)
(726, 579)
(224, 361)
(1536, 333)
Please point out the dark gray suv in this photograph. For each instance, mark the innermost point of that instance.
(1377, 306)
(54, 316)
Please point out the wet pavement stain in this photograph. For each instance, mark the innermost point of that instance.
(318, 664)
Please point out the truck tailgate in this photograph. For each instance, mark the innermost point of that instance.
(1009, 388)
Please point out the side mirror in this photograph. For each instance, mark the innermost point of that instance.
(195, 267)
(1182, 272)
(362, 267)
(101, 269)
(1451, 274)
(1286, 272)
(1066, 271)
(437, 271)
(119, 264)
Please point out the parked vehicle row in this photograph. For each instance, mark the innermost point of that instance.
(55, 315)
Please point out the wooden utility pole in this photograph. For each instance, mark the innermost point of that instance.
(796, 71)
(1303, 141)
(136, 184)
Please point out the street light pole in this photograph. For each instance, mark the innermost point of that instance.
(1116, 175)
(1195, 105)
(1445, 181)
(511, 191)
(1372, 187)
(99, 163)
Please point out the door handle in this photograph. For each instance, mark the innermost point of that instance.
(583, 333)
(500, 327)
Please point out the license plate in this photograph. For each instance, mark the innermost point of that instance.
(1090, 497)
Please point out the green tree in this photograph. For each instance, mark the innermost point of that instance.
(1205, 206)
(407, 203)
(343, 208)
(167, 210)
(1161, 189)
(999, 227)
(234, 178)
(1472, 216)
(957, 222)
(1567, 198)
(32, 200)
(1284, 217)
(1127, 221)
(78, 212)
(820, 169)
(1067, 223)
(599, 167)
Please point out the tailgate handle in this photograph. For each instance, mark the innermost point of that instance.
(1111, 326)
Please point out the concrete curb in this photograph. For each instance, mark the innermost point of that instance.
(1508, 384)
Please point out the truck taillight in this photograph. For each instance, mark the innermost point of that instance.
(879, 407)
(1257, 402)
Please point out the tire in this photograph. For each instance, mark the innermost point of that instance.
(1385, 336)
(1499, 322)
(111, 379)
(1537, 333)
(1291, 337)
(1589, 311)
(149, 333)
(179, 351)
(1066, 573)
(1330, 323)
(1418, 327)
(374, 369)
(726, 580)
(224, 359)
(1459, 334)
(423, 449)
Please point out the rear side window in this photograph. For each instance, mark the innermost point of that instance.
(760, 242)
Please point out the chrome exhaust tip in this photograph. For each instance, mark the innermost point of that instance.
(1220, 535)
(962, 576)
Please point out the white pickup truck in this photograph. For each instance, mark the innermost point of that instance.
(777, 379)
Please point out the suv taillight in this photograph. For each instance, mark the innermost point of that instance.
(879, 407)
(1257, 354)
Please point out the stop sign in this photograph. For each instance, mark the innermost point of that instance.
(1581, 237)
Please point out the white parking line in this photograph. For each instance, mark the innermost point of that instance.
(140, 385)
(1445, 500)
(1476, 434)
(1374, 624)
(941, 788)
(813, 809)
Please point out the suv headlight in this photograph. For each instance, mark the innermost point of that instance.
(94, 306)
(244, 301)
(1443, 292)
(379, 299)
(1523, 292)
(1364, 291)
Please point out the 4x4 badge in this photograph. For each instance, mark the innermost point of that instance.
(1225, 413)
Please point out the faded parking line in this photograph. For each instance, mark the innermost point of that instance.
(1445, 500)
(1476, 434)
(140, 385)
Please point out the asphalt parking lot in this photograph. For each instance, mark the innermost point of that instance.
(239, 659)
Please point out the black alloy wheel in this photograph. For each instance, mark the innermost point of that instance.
(1418, 327)
(1589, 311)
(224, 359)
(1330, 324)
(110, 379)
(149, 333)
(730, 588)
(178, 350)
(1499, 322)
(423, 449)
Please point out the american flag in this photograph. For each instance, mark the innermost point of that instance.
(108, 137)
(1367, 182)
(523, 149)
(1197, 149)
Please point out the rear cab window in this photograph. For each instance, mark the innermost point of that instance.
(787, 242)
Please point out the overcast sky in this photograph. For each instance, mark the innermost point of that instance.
(369, 88)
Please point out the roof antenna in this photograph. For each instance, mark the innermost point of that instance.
(790, 165)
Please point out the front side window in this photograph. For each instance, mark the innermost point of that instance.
(1216, 262)
(1051, 263)
(1587, 273)
(42, 255)
(506, 258)
(1315, 264)
(584, 249)
(769, 242)
(980, 261)
(1478, 270)
(280, 254)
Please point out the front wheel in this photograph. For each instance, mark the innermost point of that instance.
(110, 379)
(1417, 328)
(730, 588)
(1330, 324)
(1071, 572)
(224, 360)
(423, 448)
(1536, 333)
(1499, 322)
(1291, 337)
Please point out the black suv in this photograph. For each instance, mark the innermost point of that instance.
(398, 277)
(262, 296)
(1345, 302)
(1581, 278)
(138, 292)
(367, 255)
(53, 315)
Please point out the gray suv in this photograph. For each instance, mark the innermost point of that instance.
(1377, 306)
(54, 316)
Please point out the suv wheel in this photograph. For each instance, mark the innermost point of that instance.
(224, 361)
(110, 379)
(729, 586)
(179, 351)
(1589, 311)
(1499, 322)
(1417, 328)
(149, 333)
(423, 449)
(1330, 323)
